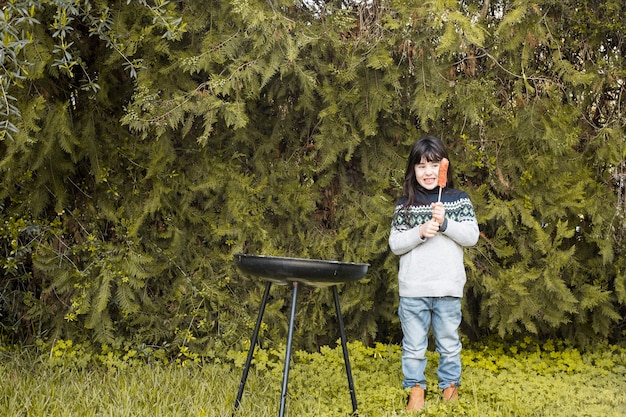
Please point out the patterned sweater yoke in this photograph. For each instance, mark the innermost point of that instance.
(456, 203)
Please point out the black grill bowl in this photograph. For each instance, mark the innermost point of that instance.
(314, 272)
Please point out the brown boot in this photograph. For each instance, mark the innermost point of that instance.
(451, 393)
(416, 399)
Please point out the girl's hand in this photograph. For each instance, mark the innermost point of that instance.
(439, 213)
(429, 229)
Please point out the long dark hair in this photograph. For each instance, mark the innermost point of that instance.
(433, 150)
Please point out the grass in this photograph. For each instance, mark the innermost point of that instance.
(531, 380)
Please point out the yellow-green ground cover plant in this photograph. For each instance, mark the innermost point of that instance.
(521, 379)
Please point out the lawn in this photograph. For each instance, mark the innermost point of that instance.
(522, 380)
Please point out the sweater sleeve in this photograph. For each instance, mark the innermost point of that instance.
(401, 242)
(464, 233)
(461, 225)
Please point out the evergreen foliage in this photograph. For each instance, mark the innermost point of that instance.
(150, 141)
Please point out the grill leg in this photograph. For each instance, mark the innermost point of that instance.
(253, 340)
(344, 346)
(283, 394)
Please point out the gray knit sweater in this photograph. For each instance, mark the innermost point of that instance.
(433, 267)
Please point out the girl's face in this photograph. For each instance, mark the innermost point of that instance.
(427, 173)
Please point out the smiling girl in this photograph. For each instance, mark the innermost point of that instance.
(429, 236)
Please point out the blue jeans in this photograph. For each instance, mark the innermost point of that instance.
(416, 316)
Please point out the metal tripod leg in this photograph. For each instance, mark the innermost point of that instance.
(344, 346)
(255, 335)
(253, 341)
(283, 394)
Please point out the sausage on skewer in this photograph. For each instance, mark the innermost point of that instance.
(442, 178)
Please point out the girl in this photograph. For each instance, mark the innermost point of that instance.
(429, 235)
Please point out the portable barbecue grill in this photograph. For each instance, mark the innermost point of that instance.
(295, 271)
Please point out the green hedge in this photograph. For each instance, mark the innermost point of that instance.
(145, 145)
